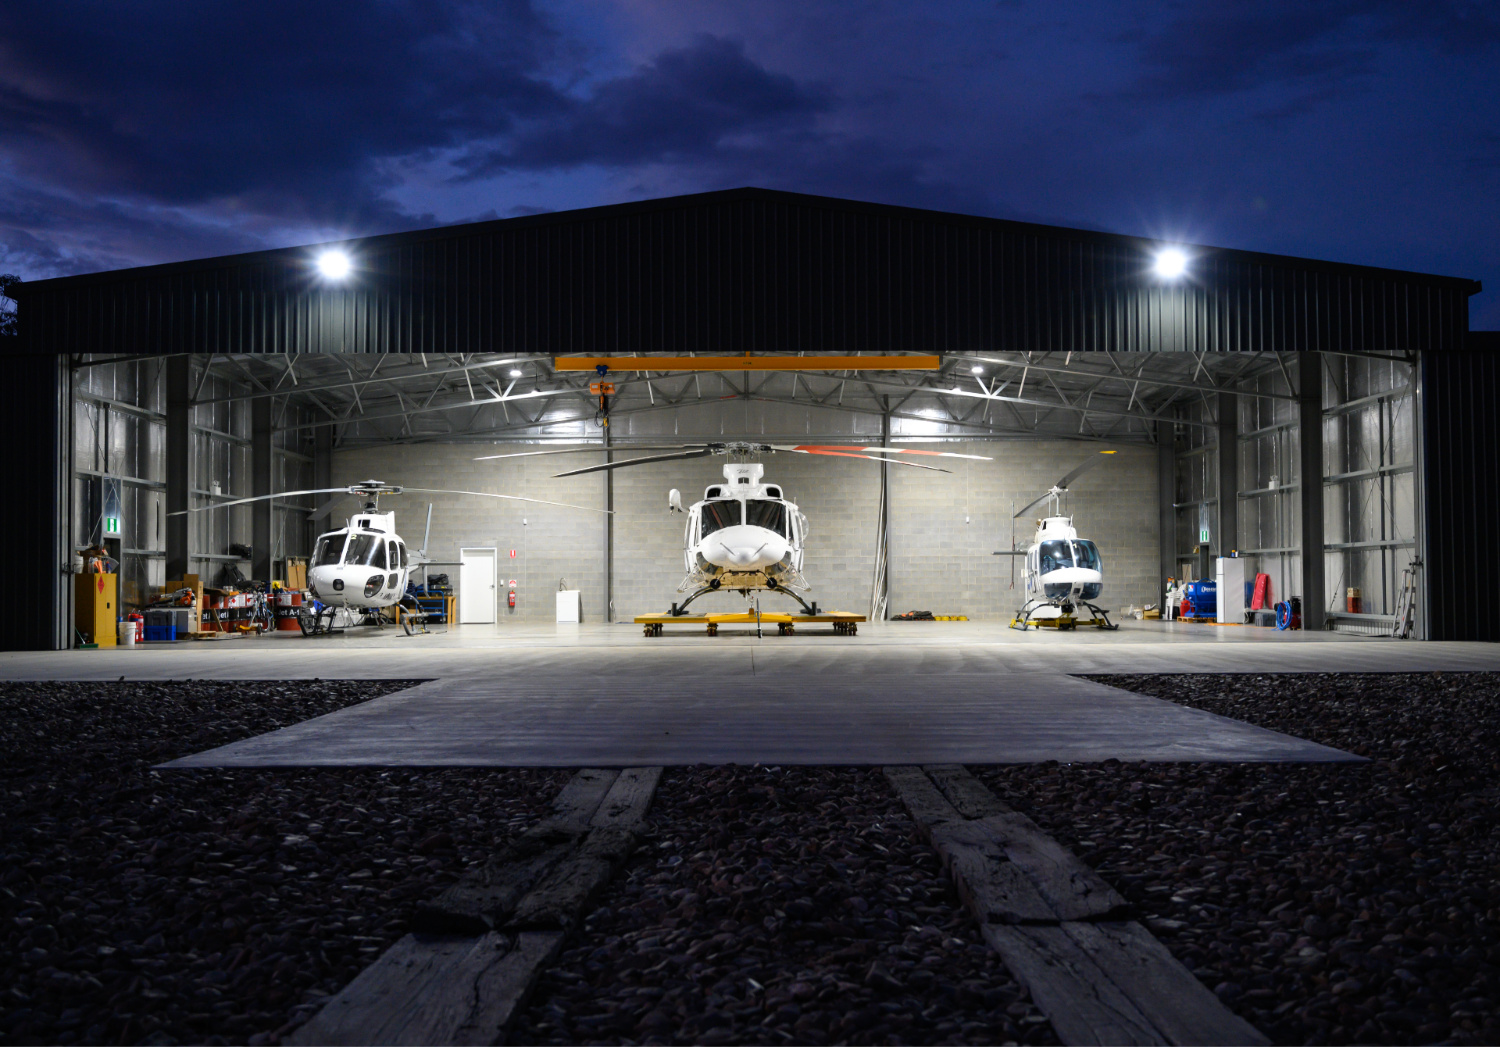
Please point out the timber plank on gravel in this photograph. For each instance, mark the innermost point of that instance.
(971, 797)
(1010, 872)
(628, 798)
(562, 897)
(580, 798)
(482, 943)
(1055, 923)
(460, 990)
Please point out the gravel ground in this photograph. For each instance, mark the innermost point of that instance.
(141, 906)
(780, 905)
(1325, 903)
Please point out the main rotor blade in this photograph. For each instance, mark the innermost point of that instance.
(846, 454)
(1085, 467)
(892, 450)
(701, 453)
(427, 531)
(509, 497)
(1028, 505)
(591, 447)
(261, 498)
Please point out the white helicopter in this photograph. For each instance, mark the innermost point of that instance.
(1063, 572)
(744, 535)
(362, 568)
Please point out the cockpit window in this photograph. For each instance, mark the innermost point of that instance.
(1086, 554)
(762, 513)
(365, 550)
(716, 515)
(330, 549)
(1055, 556)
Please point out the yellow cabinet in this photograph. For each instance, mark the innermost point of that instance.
(95, 609)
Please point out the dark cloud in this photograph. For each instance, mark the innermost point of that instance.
(280, 105)
(690, 103)
(1236, 45)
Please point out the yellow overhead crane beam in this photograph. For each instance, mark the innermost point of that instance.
(748, 363)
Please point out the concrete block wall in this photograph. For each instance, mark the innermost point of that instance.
(943, 564)
(938, 561)
(551, 542)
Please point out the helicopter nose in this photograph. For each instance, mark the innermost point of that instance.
(744, 548)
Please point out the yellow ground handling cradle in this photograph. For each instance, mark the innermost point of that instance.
(843, 622)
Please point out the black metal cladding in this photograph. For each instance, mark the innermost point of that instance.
(1461, 459)
(34, 415)
(746, 269)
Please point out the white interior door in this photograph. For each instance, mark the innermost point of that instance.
(476, 587)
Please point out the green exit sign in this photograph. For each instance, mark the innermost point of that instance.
(112, 526)
(1203, 535)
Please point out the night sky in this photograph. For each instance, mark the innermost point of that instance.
(1353, 130)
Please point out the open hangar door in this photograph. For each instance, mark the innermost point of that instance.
(1237, 422)
(424, 421)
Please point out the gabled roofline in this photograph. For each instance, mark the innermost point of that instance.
(559, 218)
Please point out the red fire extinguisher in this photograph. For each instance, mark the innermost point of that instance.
(511, 598)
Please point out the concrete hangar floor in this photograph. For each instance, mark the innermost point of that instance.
(595, 694)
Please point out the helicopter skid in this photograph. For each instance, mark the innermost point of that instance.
(1050, 615)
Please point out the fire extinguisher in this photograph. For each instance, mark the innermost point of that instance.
(510, 598)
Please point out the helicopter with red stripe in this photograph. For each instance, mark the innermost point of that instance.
(745, 535)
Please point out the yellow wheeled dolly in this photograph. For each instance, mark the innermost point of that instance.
(843, 622)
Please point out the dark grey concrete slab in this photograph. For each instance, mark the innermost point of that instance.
(578, 719)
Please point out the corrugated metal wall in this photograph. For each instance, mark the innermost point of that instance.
(1461, 453)
(33, 426)
(747, 270)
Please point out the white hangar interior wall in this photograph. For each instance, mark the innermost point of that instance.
(944, 528)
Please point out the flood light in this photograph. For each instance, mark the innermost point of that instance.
(333, 264)
(1171, 263)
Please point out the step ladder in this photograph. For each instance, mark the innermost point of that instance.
(1406, 602)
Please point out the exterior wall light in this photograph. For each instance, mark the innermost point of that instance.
(333, 264)
(1171, 263)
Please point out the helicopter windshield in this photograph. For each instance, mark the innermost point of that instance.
(330, 549)
(1086, 554)
(365, 550)
(716, 515)
(1055, 556)
(762, 513)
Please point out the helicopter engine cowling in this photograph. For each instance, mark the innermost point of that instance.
(744, 547)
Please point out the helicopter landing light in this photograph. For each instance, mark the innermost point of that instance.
(1171, 263)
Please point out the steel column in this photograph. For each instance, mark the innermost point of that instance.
(179, 461)
(609, 530)
(1310, 487)
(1229, 473)
(1166, 516)
(322, 468)
(261, 457)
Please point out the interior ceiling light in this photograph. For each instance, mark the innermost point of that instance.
(1171, 263)
(515, 372)
(976, 369)
(333, 264)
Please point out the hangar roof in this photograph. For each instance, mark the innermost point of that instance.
(747, 270)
